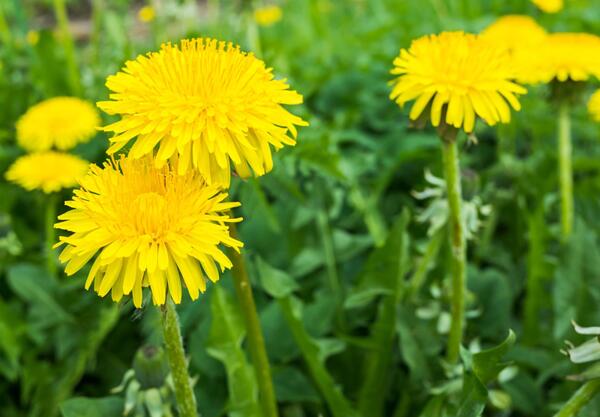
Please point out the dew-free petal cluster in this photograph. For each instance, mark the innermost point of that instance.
(549, 6)
(515, 32)
(206, 102)
(463, 74)
(594, 106)
(146, 227)
(47, 171)
(59, 122)
(268, 15)
(561, 57)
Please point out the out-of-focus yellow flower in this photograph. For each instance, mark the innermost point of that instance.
(463, 74)
(594, 106)
(515, 31)
(549, 6)
(561, 56)
(268, 15)
(206, 103)
(47, 171)
(32, 37)
(59, 122)
(146, 14)
(149, 227)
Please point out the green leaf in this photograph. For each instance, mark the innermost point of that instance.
(92, 407)
(312, 354)
(32, 283)
(275, 282)
(225, 344)
(473, 399)
(386, 267)
(487, 363)
(292, 386)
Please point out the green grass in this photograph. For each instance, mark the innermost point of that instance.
(352, 291)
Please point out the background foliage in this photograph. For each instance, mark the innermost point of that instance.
(350, 286)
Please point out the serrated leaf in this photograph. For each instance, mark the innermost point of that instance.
(487, 363)
(275, 282)
(225, 344)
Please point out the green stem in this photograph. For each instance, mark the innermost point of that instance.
(256, 342)
(458, 247)
(565, 169)
(186, 401)
(50, 234)
(97, 19)
(60, 11)
(579, 399)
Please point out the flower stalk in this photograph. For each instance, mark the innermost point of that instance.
(457, 241)
(583, 396)
(186, 401)
(565, 169)
(256, 341)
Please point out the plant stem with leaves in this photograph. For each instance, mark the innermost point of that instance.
(256, 342)
(583, 396)
(186, 401)
(565, 169)
(457, 244)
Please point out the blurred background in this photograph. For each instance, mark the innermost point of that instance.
(349, 215)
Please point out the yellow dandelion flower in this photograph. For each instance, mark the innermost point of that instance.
(205, 101)
(460, 73)
(268, 15)
(146, 14)
(549, 6)
(149, 227)
(561, 56)
(514, 31)
(594, 106)
(32, 37)
(47, 171)
(59, 122)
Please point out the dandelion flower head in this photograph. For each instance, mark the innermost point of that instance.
(59, 122)
(47, 171)
(146, 14)
(463, 74)
(206, 102)
(147, 227)
(562, 56)
(268, 15)
(549, 6)
(594, 106)
(514, 31)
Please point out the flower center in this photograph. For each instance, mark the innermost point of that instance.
(150, 216)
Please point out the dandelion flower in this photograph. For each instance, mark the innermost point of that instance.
(463, 74)
(562, 56)
(514, 32)
(47, 171)
(33, 37)
(268, 15)
(549, 6)
(146, 14)
(59, 122)
(208, 103)
(594, 106)
(149, 227)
